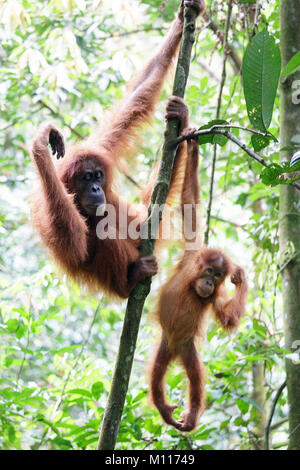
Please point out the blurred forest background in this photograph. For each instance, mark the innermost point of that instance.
(66, 61)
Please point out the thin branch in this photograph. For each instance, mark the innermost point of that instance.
(26, 347)
(234, 139)
(233, 54)
(161, 29)
(222, 84)
(256, 16)
(59, 116)
(121, 376)
(208, 69)
(280, 444)
(278, 424)
(215, 127)
(188, 441)
(230, 222)
(250, 152)
(268, 426)
(232, 94)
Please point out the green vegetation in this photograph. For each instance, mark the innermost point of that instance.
(66, 61)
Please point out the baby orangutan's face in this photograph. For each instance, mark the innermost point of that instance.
(211, 275)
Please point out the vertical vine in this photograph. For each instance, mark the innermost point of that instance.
(121, 376)
(218, 111)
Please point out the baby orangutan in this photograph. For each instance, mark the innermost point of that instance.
(196, 287)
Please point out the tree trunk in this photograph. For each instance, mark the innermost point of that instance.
(289, 222)
(258, 374)
(260, 396)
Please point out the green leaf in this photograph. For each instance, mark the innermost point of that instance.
(225, 424)
(137, 432)
(97, 390)
(292, 66)
(261, 71)
(8, 361)
(270, 175)
(254, 358)
(21, 331)
(240, 422)
(242, 199)
(140, 396)
(64, 444)
(80, 391)
(259, 142)
(213, 138)
(175, 380)
(67, 349)
(40, 417)
(11, 433)
(242, 405)
(204, 432)
(12, 325)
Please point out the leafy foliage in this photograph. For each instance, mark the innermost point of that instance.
(67, 61)
(273, 174)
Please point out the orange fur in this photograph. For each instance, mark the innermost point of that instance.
(182, 310)
(71, 239)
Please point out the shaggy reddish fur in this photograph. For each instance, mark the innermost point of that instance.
(70, 237)
(181, 312)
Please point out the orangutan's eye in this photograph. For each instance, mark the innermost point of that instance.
(87, 176)
(99, 174)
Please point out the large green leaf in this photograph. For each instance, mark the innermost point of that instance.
(261, 71)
